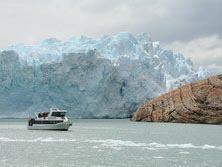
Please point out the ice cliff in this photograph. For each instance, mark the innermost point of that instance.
(91, 78)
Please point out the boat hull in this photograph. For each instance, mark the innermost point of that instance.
(59, 126)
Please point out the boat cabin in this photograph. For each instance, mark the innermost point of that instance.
(54, 112)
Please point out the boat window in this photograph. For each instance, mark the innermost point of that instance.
(43, 114)
(46, 121)
(58, 114)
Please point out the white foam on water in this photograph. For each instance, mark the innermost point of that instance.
(184, 152)
(188, 145)
(206, 146)
(96, 147)
(4, 160)
(157, 145)
(115, 143)
(150, 146)
(49, 139)
(158, 157)
(116, 148)
(65, 154)
(5, 139)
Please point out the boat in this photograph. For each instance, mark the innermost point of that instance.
(55, 119)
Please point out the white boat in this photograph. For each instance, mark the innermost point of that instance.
(55, 119)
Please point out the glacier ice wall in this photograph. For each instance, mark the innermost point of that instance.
(91, 78)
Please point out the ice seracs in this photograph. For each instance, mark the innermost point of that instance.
(105, 77)
(121, 45)
(55, 119)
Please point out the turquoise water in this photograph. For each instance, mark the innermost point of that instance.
(111, 143)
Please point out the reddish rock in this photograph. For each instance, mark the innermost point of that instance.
(199, 102)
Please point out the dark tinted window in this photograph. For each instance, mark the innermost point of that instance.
(58, 114)
(46, 122)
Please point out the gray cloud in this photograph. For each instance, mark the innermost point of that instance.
(206, 51)
(169, 20)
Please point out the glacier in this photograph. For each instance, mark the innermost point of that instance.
(106, 77)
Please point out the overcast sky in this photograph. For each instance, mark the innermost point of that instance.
(192, 27)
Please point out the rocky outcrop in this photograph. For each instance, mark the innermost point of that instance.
(199, 102)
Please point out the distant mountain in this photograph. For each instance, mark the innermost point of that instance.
(92, 78)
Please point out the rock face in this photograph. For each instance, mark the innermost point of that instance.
(199, 102)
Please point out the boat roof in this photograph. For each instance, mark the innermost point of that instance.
(56, 110)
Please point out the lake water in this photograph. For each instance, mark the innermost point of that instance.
(111, 143)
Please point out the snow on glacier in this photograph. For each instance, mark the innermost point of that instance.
(106, 77)
(123, 44)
